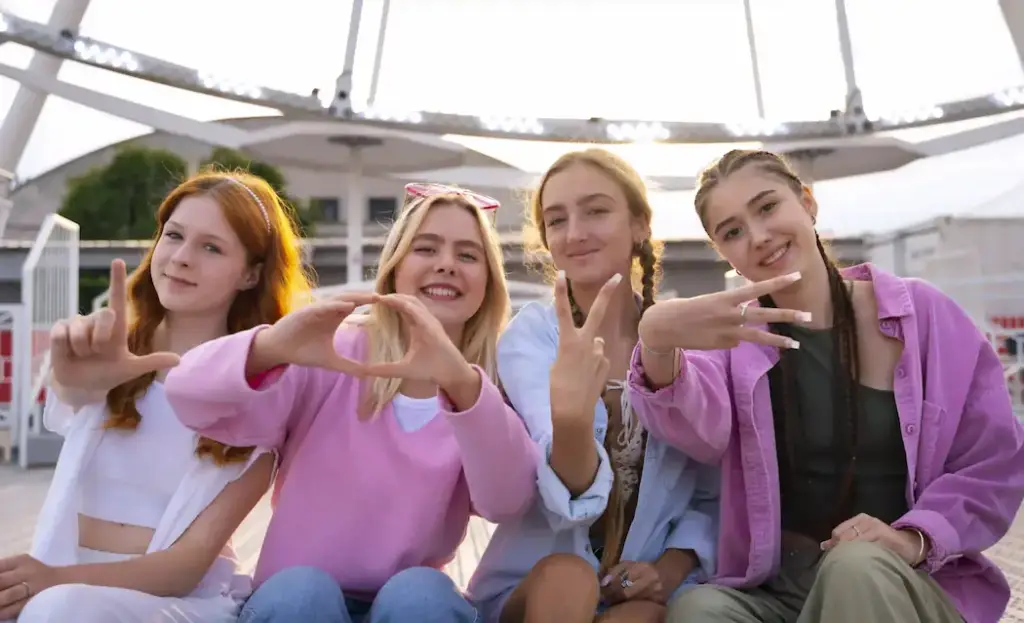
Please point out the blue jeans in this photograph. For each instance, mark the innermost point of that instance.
(307, 594)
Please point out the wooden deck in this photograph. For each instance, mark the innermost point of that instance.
(22, 492)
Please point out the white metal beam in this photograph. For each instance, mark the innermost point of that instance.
(378, 57)
(21, 119)
(1013, 14)
(755, 66)
(343, 86)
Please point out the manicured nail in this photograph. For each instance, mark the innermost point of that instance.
(616, 278)
(793, 276)
(803, 316)
(560, 276)
(606, 580)
(792, 344)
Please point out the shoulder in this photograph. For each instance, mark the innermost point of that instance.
(534, 321)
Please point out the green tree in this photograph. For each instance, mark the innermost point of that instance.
(119, 201)
(232, 160)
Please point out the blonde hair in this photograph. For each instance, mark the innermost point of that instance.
(479, 339)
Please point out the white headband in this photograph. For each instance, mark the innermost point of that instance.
(266, 217)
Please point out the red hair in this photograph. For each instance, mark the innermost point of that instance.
(283, 283)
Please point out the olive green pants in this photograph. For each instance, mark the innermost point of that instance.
(853, 583)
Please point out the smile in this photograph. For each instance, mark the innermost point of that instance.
(441, 293)
(775, 257)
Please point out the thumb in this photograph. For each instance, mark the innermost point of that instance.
(389, 369)
(154, 362)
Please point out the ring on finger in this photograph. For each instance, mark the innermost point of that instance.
(856, 531)
(626, 582)
(743, 312)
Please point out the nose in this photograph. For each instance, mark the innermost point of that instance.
(445, 263)
(759, 234)
(182, 255)
(575, 231)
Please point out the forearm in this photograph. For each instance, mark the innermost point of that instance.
(76, 398)
(573, 455)
(660, 368)
(264, 354)
(166, 573)
(674, 566)
(462, 389)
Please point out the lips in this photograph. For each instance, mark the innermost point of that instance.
(179, 281)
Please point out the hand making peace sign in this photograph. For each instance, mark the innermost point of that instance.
(91, 352)
(580, 371)
(719, 320)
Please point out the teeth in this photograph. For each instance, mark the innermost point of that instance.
(437, 291)
(774, 257)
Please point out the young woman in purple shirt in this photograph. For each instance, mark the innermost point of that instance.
(868, 447)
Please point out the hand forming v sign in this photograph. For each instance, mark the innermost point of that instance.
(91, 352)
(719, 320)
(580, 371)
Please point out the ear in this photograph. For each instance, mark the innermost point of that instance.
(809, 203)
(639, 231)
(251, 277)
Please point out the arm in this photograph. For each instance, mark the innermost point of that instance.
(176, 571)
(526, 352)
(499, 459)
(210, 393)
(973, 503)
(694, 412)
(693, 541)
(58, 412)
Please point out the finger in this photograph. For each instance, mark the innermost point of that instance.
(336, 308)
(615, 573)
(407, 306)
(856, 520)
(598, 346)
(60, 348)
(153, 362)
(387, 370)
(118, 297)
(563, 309)
(600, 306)
(754, 290)
(80, 332)
(102, 330)
(358, 299)
(771, 315)
(760, 336)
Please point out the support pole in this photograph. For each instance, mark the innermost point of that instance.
(355, 209)
(343, 85)
(379, 56)
(755, 66)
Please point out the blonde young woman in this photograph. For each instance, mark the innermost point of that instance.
(391, 431)
(137, 522)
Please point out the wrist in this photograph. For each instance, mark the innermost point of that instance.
(461, 386)
(918, 546)
(264, 353)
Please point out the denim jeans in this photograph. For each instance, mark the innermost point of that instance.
(307, 594)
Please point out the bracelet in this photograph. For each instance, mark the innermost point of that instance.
(656, 353)
(920, 550)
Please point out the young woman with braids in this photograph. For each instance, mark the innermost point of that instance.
(137, 522)
(869, 451)
(622, 521)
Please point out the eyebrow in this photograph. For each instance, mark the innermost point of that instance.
(173, 223)
(439, 239)
(750, 204)
(584, 199)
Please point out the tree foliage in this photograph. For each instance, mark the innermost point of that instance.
(119, 201)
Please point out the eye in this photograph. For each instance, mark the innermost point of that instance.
(424, 250)
(212, 248)
(173, 235)
(732, 233)
(467, 256)
(768, 207)
(558, 220)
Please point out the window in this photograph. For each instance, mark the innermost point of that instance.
(382, 209)
(326, 208)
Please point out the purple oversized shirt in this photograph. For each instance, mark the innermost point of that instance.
(965, 447)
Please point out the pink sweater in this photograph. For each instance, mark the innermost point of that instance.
(361, 500)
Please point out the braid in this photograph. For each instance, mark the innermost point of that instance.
(578, 317)
(649, 266)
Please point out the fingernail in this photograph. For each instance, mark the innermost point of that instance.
(823, 545)
(616, 278)
(560, 276)
(793, 276)
(803, 316)
(606, 580)
(792, 344)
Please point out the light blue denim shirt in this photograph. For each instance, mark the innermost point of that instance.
(678, 500)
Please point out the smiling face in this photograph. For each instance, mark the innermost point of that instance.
(761, 224)
(199, 263)
(446, 266)
(587, 223)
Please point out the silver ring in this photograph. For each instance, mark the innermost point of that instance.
(743, 311)
(626, 582)
(856, 530)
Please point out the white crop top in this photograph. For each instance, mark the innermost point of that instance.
(134, 473)
(414, 413)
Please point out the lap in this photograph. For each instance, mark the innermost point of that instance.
(95, 604)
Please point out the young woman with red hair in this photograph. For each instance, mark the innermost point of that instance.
(138, 520)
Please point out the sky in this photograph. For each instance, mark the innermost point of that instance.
(658, 59)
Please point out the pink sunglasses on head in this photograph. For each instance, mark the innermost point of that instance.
(481, 202)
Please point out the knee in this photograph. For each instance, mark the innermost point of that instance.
(700, 603)
(420, 593)
(293, 594)
(65, 602)
(856, 561)
(564, 569)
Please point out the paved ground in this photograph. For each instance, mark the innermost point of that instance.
(21, 495)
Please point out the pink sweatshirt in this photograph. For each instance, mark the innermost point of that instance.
(361, 500)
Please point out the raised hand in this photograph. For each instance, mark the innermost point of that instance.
(431, 355)
(580, 371)
(305, 337)
(90, 353)
(719, 320)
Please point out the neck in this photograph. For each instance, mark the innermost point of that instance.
(623, 314)
(180, 333)
(811, 294)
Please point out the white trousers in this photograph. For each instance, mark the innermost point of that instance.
(82, 603)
